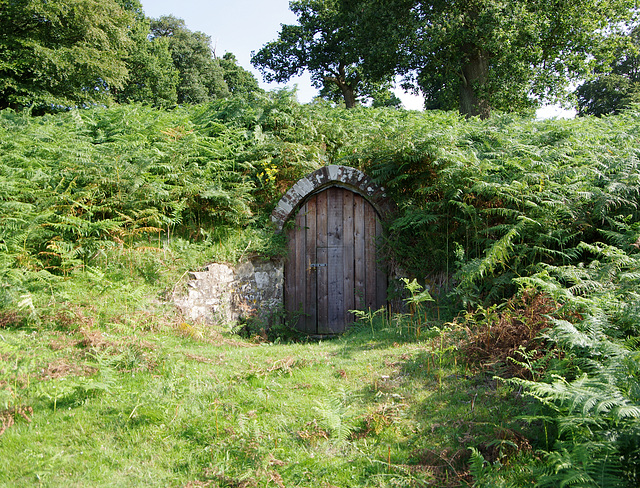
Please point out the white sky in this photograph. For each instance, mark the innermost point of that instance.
(243, 26)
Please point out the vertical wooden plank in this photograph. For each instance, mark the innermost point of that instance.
(322, 279)
(321, 219)
(335, 262)
(322, 259)
(334, 217)
(381, 272)
(359, 252)
(348, 264)
(370, 256)
(311, 309)
(301, 273)
(290, 275)
(335, 275)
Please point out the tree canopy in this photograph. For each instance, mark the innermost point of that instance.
(469, 55)
(61, 53)
(238, 79)
(478, 55)
(201, 78)
(617, 84)
(152, 76)
(323, 43)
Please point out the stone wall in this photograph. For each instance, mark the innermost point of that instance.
(223, 294)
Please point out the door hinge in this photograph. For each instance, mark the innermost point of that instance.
(318, 265)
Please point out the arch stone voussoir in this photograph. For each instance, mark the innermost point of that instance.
(325, 177)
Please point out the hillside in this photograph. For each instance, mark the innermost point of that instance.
(524, 232)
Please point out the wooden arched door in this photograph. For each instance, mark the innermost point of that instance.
(333, 265)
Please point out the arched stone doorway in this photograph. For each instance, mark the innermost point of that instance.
(333, 264)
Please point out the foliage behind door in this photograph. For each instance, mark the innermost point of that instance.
(332, 265)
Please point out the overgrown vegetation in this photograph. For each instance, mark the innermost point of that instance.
(514, 364)
(171, 409)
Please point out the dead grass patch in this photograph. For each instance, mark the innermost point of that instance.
(11, 318)
(507, 443)
(495, 337)
(8, 416)
(285, 365)
(222, 480)
(380, 418)
(94, 339)
(449, 467)
(62, 341)
(201, 359)
(313, 433)
(71, 317)
(61, 368)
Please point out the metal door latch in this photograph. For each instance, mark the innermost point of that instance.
(318, 265)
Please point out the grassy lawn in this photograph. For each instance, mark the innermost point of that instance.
(188, 406)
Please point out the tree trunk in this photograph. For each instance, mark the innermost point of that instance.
(347, 89)
(349, 95)
(474, 76)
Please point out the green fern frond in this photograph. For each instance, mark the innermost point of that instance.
(337, 417)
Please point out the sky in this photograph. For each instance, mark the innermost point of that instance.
(243, 26)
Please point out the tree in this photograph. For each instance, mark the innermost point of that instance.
(152, 77)
(201, 78)
(479, 55)
(238, 79)
(61, 53)
(322, 43)
(617, 84)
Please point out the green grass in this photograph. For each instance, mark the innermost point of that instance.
(184, 405)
